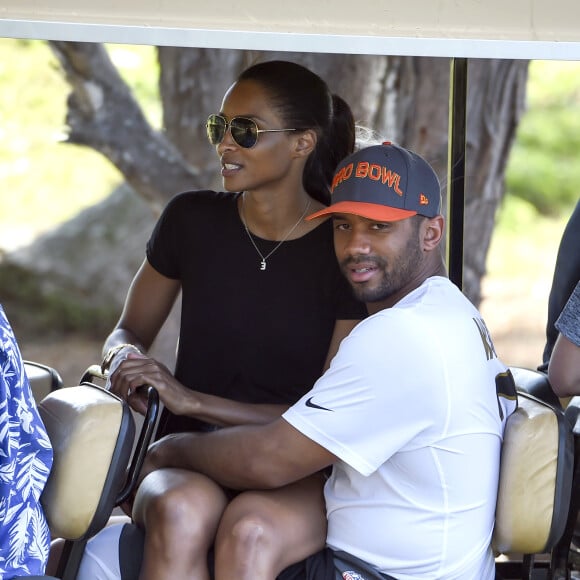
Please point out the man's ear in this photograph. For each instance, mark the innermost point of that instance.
(305, 143)
(434, 229)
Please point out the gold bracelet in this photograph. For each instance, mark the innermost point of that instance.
(108, 358)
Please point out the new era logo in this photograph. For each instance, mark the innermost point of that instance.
(423, 200)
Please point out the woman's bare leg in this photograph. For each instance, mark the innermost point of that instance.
(261, 533)
(180, 511)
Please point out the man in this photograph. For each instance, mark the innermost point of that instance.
(25, 462)
(410, 414)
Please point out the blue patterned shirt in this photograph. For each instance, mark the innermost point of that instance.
(25, 462)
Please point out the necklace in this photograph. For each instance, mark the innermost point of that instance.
(264, 258)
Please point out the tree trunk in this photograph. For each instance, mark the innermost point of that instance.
(192, 83)
(405, 99)
(496, 102)
(103, 114)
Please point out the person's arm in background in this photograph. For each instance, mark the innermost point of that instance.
(564, 366)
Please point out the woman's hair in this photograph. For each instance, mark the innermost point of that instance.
(304, 101)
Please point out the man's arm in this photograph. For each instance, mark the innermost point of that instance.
(246, 457)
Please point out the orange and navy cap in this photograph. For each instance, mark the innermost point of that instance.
(384, 183)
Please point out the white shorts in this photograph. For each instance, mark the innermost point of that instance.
(102, 558)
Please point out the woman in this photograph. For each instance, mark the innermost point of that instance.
(264, 308)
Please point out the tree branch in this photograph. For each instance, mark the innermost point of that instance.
(103, 114)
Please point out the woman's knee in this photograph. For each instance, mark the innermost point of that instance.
(255, 537)
(175, 506)
(182, 506)
(282, 526)
(246, 530)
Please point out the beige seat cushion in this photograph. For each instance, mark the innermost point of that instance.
(84, 424)
(533, 486)
(42, 379)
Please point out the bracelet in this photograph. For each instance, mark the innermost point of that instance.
(108, 358)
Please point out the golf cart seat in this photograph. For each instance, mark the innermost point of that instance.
(536, 383)
(96, 463)
(536, 478)
(92, 431)
(42, 378)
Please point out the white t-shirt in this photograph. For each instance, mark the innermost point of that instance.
(410, 407)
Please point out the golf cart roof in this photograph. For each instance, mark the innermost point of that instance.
(527, 29)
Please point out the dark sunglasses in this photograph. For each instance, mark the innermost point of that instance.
(244, 131)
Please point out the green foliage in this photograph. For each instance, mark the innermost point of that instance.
(525, 241)
(44, 181)
(544, 164)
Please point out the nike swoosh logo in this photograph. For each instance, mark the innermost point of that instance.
(309, 403)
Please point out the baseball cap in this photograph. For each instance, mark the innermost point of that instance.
(384, 183)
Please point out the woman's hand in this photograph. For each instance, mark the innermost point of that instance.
(138, 370)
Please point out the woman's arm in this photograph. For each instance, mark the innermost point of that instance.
(149, 301)
(147, 305)
(138, 370)
(342, 328)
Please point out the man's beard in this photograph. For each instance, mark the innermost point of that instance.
(394, 276)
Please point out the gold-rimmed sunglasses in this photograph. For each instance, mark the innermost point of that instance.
(244, 131)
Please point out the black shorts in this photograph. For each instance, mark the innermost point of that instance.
(332, 565)
(324, 565)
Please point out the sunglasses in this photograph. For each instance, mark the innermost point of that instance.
(244, 131)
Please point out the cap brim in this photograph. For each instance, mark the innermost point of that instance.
(371, 211)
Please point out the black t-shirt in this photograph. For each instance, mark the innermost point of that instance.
(246, 334)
